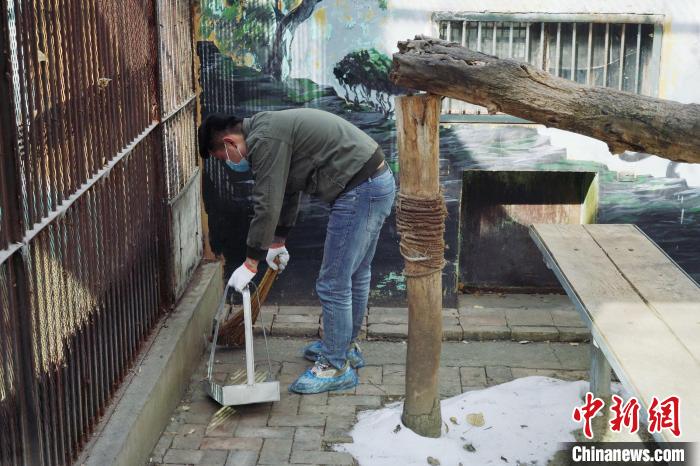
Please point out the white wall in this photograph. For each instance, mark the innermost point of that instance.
(341, 26)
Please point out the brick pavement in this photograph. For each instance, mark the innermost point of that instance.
(481, 317)
(299, 429)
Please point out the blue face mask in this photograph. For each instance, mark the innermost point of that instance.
(240, 167)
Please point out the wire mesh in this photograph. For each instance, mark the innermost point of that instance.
(180, 149)
(83, 200)
(83, 86)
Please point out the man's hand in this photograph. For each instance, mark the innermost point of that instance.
(242, 276)
(277, 251)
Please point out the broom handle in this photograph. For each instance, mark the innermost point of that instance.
(248, 325)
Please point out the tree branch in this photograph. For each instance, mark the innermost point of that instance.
(624, 121)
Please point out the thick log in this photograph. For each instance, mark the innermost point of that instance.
(624, 121)
(417, 119)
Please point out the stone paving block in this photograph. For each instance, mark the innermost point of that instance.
(529, 317)
(486, 332)
(567, 318)
(323, 457)
(297, 318)
(554, 373)
(498, 374)
(292, 370)
(393, 375)
(275, 451)
(300, 329)
(393, 369)
(242, 458)
(479, 317)
(472, 376)
(450, 312)
(371, 374)
(337, 429)
(388, 331)
(254, 419)
(267, 313)
(288, 404)
(265, 432)
(450, 390)
(533, 333)
(300, 310)
(448, 375)
(571, 357)
(231, 443)
(574, 334)
(213, 458)
(162, 446)
(182, 442)
(357, 400)
(381, 318)
(307, 438)
(196, 430)
(304, 420)
(370, 389)
(183, 456)
(325, 410)
(223, 423)
(314, 400)
(450, 320)
(452, 332)
(511, 301)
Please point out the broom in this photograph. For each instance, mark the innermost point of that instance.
(232, 331)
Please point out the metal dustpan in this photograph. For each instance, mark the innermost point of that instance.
(246, 386)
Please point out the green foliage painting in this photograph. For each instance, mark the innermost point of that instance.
(257, 34)
(364, 74)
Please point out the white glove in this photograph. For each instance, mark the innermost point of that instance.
(281, 254)
(241, 277)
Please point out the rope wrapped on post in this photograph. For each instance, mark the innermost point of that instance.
(421, 224)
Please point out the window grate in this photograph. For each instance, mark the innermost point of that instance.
(623, 56)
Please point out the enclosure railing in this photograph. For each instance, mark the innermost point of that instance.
(97, 136)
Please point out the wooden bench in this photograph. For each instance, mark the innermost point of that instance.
(642, 309)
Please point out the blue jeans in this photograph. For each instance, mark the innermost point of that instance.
(354, 224)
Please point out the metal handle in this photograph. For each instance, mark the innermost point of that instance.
(248, 327)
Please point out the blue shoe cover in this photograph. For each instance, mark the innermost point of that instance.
(323, 377)
(354, 354)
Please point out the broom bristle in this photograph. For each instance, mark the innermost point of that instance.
(232, 331)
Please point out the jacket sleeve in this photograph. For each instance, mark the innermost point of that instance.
(288, 216)
(270, 159)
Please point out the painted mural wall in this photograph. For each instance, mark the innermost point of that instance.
(335, 55)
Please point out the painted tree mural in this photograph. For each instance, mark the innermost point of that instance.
(288, 19)
(259, 33)
(364, 75)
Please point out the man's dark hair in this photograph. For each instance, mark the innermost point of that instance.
(210, 131)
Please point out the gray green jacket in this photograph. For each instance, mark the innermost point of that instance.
(295, 151)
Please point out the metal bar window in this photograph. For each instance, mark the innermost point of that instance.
(595, 58)
(622, 59)
(607, 53)
(510, 41)
(478, 37)
(638, 58)
(527, 41)
(557, 60)
(590, 54)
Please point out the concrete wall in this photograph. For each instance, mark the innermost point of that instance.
(185, 235)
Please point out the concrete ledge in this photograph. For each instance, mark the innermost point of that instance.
(149, 398)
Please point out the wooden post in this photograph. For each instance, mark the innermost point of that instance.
(417, 119)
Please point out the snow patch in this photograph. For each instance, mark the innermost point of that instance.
(525, 420)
